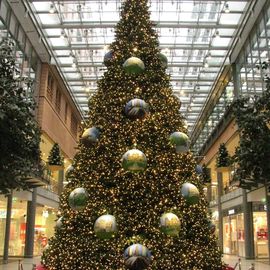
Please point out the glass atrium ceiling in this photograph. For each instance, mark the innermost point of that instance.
(196, 36)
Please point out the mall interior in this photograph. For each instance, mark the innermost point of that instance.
(212, 47)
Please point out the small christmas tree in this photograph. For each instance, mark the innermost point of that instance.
(206, 176)
(223, 159)
(55, 160)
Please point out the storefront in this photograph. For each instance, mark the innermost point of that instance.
(17, 226)
(44, 227)
(3, 213)
(233, 232)
(215, 220)
(260, 230)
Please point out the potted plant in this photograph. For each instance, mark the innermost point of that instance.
(55, 160)
(223, 160)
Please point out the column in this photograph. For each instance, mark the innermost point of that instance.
(267, 197)
(248, 227)
(236, 80)
(209, 192)
(220, 215)
(30, 225)
(8, 222)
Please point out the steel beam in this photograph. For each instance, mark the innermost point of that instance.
(156, 24)
(85, 46)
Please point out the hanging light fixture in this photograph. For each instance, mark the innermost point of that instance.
(74, 63)
(62, 35)
(52, 8)
(226, 8)
(216, 34)
(208, 56)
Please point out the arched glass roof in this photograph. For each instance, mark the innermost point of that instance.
(196, 36)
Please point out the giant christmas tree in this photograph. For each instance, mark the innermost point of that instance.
(133, 200)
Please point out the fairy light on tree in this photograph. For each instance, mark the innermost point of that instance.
(145, 204)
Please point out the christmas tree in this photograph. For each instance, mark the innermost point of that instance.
(55, 160)
(206, 174)
(133, 199)
(223, 158)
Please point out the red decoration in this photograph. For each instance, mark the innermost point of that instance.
(227, 267)
(41, 267)
(262, 234)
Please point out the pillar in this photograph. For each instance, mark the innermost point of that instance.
(30, 225)
(236, 80)
(248, 227)
(220, 215)
(209, 192)
(8, 222)
(267, 197)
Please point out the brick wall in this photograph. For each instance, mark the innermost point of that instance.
(57, 124)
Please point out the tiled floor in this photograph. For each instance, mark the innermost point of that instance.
(27, 264)
(246, 264)
(231, 260)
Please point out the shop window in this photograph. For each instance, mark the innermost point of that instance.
(3, 213)
(34, 62)
(50, 87)
(58, 100)
(74, 125)
(25, 67)
(44, 227)
(233, 235)
(260, 234)
(66, 112)
(21, 36)
(214, 192)
(17, 227)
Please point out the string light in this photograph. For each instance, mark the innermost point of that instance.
(137, 200)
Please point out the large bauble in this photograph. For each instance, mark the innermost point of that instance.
(59, 223)
(137, 256)
(134, 65)
(212, 227)
(40, 267)
(78, 199)
(199, 169)
(105, 227)
(134, 161)
(190, 193)
(108, 57)
(136, 109)
(170, 224)
(164, 60)
(70, 169)
(180, 140)
(90, 136)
